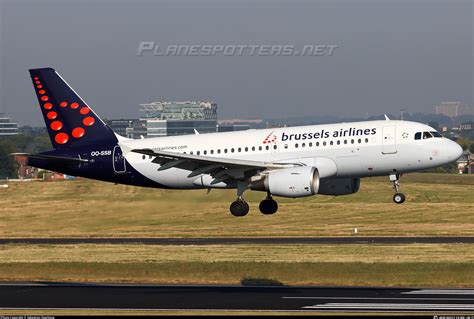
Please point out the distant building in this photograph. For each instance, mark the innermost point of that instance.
(7, 127)
(178, 118)
(469, 126)
(25, 171)
(239, 125)
(130, 128)
(452, 109)
(35, 131)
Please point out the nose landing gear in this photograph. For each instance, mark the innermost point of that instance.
(399, 197)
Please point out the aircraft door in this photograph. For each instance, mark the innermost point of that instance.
(389, 145)
(118, 160)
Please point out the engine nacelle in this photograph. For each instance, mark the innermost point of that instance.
(339, 186)
(289, 182)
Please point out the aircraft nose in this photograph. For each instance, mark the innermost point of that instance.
(454, 151)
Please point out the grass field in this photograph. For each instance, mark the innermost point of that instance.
(437, 205)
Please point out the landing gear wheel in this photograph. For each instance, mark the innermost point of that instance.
(268, 206)
(239, 208)
(399, 198)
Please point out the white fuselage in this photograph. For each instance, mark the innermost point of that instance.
(357, 149)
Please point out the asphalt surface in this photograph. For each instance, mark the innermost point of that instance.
(242, 240)
(233, 298)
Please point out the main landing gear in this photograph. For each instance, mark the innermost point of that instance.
(398, 198)
(268, 206)
(240, 208)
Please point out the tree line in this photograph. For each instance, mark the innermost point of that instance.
(18, 144)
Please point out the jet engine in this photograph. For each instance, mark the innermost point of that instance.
(289, 182)
(339, 186)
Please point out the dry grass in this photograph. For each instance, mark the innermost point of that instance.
(436, 265)
(434, 274)
(386, 254)
(437, 205)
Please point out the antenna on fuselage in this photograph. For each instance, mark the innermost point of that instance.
(386, 117)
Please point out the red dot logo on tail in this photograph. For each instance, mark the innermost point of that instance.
(61, 138)
(56, 125)
(85, 110)
(52, 115)
(88, 121)
(78, 132)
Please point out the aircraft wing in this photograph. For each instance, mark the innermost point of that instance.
(221, 169)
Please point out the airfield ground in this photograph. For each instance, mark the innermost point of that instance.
(437, 205)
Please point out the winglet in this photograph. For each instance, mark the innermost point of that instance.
(386, 117)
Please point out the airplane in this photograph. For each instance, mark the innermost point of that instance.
(291, 162)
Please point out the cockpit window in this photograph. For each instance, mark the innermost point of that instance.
(427, 135)
(418, 135)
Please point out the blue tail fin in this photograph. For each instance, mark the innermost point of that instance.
(69, 120)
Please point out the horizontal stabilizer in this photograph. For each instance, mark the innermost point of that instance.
(52, 158)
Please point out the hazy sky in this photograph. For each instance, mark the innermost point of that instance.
(390, 54)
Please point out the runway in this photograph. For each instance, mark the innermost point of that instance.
(242, 240)
(30, 296)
